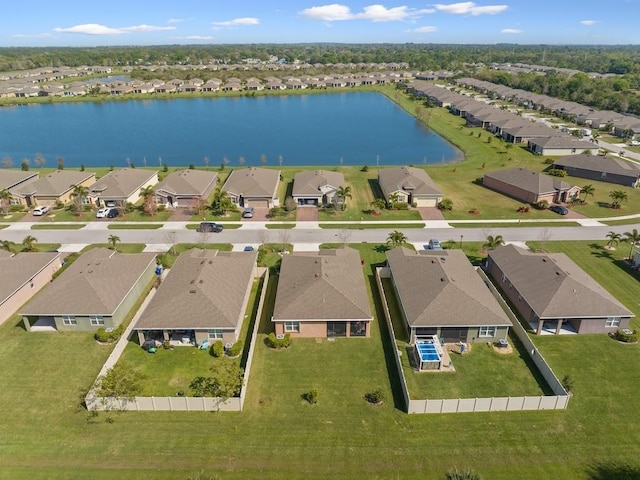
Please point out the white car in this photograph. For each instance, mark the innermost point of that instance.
(634, 143)
(102, 213)
(39, 211)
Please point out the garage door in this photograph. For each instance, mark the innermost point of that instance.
(426, 202)
(256, 203)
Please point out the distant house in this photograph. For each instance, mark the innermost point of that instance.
(440, 293)
(13, 179)
(56, 186)
(530, 187)
(122, 186)
(560, 145)
(204, 297)
(23, 275)
(604, 169)
(411, 185)
(316, 187)
(97, 290)
(253, 186)
(553, 294)
(183, 187)
(322, 295)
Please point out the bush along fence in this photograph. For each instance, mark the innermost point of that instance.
(171, 404)
(558, 401)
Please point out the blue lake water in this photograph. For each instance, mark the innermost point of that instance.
(330, 129)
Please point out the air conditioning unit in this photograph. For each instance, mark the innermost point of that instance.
(280, 336)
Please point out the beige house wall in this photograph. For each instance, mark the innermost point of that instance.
(316, 330)
(28, 290)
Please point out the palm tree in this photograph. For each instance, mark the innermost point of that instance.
(148, 194)
(7, 245)
(29, 243)
(5, 200)
(614, 239)
(618, 196)
(493, 242)
(397, 239)
(378, 204)
(113, 242)
(78, 195)
(394, 198)
(587, 190)
(632, 237)
(342, 193)
(221, 201)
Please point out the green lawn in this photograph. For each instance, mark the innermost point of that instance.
(280, 226)
(121, 247)
(541, 223)
(363, 226)
(58, 226)
(134, 226)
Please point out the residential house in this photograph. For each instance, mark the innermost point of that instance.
(97, 290)
(183, 188)
(440, 293)
(23, 275)
(203, 298)
(530, 187)
(560, 145)
(552, 294)
(56, 186)
(604, 169)
(14, 179)
(253, 186)
(410, 185)
(316, 187)
(122, 186)
(322, 295)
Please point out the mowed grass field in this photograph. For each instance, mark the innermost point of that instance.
(47, 433)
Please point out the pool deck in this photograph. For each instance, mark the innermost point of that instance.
(446, 365)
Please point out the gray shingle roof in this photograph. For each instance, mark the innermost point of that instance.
(11, 178)
(529, 181)
(203, 289)
(409, 179)
(20, 268)
(95, 284)
(122, 183)
(554, 286)
(442, 289)
(309, 182)
(599, 164)
(55, 183)
(328, 285)
(563, 142)
(253, 182)
(187, 182)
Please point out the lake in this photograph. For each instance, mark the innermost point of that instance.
(325, 129)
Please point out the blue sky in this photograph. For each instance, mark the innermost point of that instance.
(145, 22)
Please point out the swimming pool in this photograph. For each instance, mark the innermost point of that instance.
(429, 353)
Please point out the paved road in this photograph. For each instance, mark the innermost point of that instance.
(256, 233)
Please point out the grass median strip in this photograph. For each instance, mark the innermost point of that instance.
(134, 226)
(280, 226)
(513, 224)
(367, 226)
(58, 226)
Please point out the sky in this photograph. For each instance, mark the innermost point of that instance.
(77, 23)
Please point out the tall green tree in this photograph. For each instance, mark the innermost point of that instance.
(113, 242)
(617, 197)
(342, 193)
(633, 238)
(5, 200)
(493, 242)
(148, 195)
(221, 202)
(613, 239)
(8, 246)
(586, 191)
(396, 238)
(78, 196)
(29, 243)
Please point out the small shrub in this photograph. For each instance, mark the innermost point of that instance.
(557, 172)
(165, 168)
(114, 335)
(236, 349)
(621, 336)
(161, 208)
(446, 204)
(290, 204)
(400, 206)
(523, 209)
(278, 343)
(166, 345)
(548, 161)
(567, 383)
(365, 168)
(541, 205)
(16, 208)
(311, 396)
(217, 350)
(375, 398)
(58, 205)
(276, 212)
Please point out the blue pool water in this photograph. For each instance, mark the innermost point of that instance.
(427, 351)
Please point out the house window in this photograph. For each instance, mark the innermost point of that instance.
(487, 332)
(292, 327)
(69, 320)
(15, 201)
(96, 320)
(215, 334)
(612, 322)
(358, 329)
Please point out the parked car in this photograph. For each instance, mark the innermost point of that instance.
(209, 227)
(634, 143)
(248, 248)
(559, 209)
(434, 245)
(102, 213)
(113, 213)
(39, 211)
(247, 212)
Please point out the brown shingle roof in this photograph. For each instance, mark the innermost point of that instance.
(554, 286)
(441, 288)
(253, 182)
(20, 268)
(122, 183)
(55, 183)
(203, 289)
(187, 182)
(326, 286)
(309, 182)
(409, 179)
(95, 284)
(534, 182)
(11, 178)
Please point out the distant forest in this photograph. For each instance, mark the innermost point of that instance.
(619, 93)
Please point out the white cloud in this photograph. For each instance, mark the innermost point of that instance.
(376, 13)
(97, 29)
(427, 29)
(199, 37)
(470, 8)
(237, 22)
(34, 35)
(175, 20)
(510, 30)
(588, 23)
